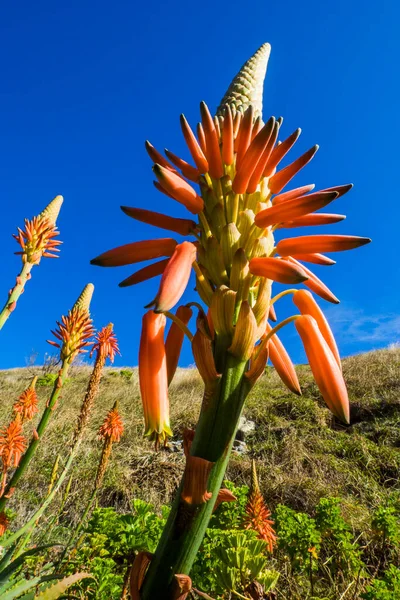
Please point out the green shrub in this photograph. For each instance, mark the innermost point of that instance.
(387, 588)
(341, 553)
(125, 374)
(298, 536)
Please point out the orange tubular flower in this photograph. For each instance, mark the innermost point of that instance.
(106, 344)
(27, 404)
(316, 259)
(12, 443)
(181, 226)
(146, 273)
(308, 244)
(312, 220)
(316, 284)
(174, 341)
(282, 363)
(277, 270)
(112, 427)
(175, 277)
(153, 378)
(179, 189)
(324, 367)
(135, 252)
(291, 209)
(307, 306)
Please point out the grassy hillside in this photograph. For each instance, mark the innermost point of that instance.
(303, 453)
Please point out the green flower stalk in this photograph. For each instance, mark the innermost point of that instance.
(36, 240)
(235, 189)
(73, 334)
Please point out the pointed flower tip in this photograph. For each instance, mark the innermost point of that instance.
(52, 210)
(85, 298)
(247, 87)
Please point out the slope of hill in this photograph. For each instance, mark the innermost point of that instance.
(302, 452)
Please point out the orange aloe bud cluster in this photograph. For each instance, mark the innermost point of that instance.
(37, 239)
(12, 446)
(105, 346)
(257, 513)
(240, 197)
(27, 404)
(75, 330)
(110, 432)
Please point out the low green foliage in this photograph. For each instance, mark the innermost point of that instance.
(387, 588)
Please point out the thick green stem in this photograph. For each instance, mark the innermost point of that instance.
(15, 293)
(27, 457)
(213, 441)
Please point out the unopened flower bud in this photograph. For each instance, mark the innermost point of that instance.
(222, 310)
(229, 243)
(239, 270)
(245, 335)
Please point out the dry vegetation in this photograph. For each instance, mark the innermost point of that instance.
(303, 453)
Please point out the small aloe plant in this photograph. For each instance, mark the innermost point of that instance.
(37, 240)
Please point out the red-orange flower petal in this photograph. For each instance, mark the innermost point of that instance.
(291, 209)
(153, 377)
(308, 244)
(312, 220)
(158, 158)
(281, 178)
(251, 158)
(179, 189)
(146, 273)
(135, 252)
(324, 367)
(194, 146)
(212, 143)
(280, 152)
(315, 284)
(174, 341)
(306, 304)
(244, 135)
(277, 270)
(175, 277)
(295, 193)
(187, 170)
(260, 167)
(227, 137)
(282, 363)
(316, 259)
(182, 226)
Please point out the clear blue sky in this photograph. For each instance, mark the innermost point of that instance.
(85, 83)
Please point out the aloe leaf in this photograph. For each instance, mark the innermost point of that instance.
(55, 591)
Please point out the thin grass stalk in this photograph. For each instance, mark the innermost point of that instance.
(213, 440)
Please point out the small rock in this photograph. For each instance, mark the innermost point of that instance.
(246, 426)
